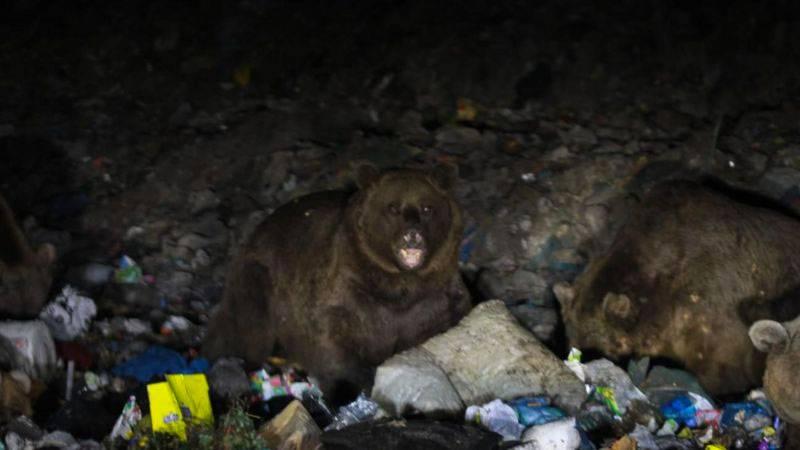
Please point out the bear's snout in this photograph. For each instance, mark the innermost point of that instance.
(413, 239)
(411, 251)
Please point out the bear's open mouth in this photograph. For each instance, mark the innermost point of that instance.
(411, 258)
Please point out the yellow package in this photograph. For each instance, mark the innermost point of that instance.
(191, 391)
(165, 413)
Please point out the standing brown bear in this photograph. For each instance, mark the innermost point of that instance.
(339, 282)
(684, 279)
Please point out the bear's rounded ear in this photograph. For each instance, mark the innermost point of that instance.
(365, 173)
(769, 336)
(445, 175)
(619, 307)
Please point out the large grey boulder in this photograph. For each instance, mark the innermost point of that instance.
(488, 355)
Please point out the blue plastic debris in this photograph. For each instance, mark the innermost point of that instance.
(536, 411)
(691, 410)
(748, 415)
(158, 360)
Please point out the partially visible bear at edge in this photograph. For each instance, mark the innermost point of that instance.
(25, 275)
(339, 282)
(684, 279)
(781, 343)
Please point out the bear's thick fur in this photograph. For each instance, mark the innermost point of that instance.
(25, 275)
(781, 342)
(339, 282)
(684, 279)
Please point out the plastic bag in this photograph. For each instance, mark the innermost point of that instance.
(498, 417)
(69, 315)
(691, 410)
(573, 361)
(165, 412)
(280, 385)
(128, 271)
(362, 409)
(749, 415)
(33, 341)
(131, 415)
(157, 360)
(535, 411)
(607, 396)
(191, 392)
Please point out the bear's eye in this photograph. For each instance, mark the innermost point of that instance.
(393, 208)
(427, 210)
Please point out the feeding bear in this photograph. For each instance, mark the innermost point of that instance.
(684, 279)
(338, 281)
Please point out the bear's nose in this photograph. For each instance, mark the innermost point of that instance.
(411, 215)
(413, 238)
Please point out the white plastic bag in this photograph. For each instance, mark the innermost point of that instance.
(32, 339)
(69, 315)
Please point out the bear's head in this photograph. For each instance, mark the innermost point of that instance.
(406, 220)
(781, 342)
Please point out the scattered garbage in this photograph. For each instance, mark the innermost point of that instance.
(293, 428)
(96, 274)
(191, 392)
(166, 415)
(749, 415)
(496, 416)
(128, 419)
(507, 362)
(158, 360)
(536, 411)
(281, 384)
(228, 379)
(615, 386)
(691, 410)
(663, 384)
(558, 435)
(135, 327)
(69, 315)
(127, 271)
(360, 410)
(175, 324)
(34, 342)
(95, 382)
(644, 438)
(573, 361)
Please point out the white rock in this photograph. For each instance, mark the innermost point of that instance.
(412, 382)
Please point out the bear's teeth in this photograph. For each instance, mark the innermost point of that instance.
(411, 257)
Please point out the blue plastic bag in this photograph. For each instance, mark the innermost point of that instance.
(681, 409)
(536, 411)
(158, 360)
(748, 415)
